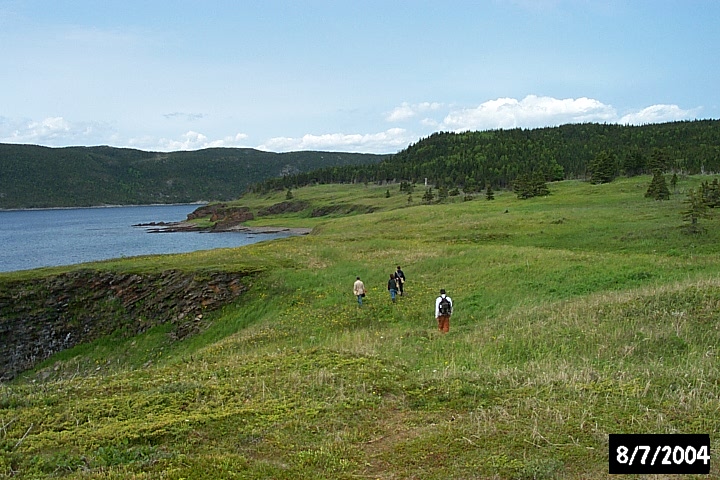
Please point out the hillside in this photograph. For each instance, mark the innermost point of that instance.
(33, 176)
(471, 160)
(577, 315)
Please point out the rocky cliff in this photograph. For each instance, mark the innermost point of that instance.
(43, 316)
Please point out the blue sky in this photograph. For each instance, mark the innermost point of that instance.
(360, 76)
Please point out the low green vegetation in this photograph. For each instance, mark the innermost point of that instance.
(586, 312)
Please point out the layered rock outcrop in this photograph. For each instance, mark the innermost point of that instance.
(43, 316)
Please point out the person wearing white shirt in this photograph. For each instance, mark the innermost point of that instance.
(443, 310)
(359, 290)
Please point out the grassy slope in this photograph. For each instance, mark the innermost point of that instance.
(577, 315)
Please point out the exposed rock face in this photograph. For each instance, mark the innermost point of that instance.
(343, 209)
(283, 207)
(206, 211)
(43, 316)
(222, 214)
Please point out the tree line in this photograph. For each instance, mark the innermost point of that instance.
(474, 160)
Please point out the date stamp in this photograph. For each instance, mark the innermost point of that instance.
(659, 454)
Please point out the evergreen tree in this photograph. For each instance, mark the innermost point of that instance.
(659, 160)
(538, 185)
(522, 187)
(410, 199)
(673, 182)
(696, 209)
(634, 163)
(710, 193)
(289, 194)
(470, 185)
(428, 197)
(658, 188)
(387, 193)
(442, 193)
(603, 168)
(489, 194)
(407, 187)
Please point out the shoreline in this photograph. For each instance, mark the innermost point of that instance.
(184, 226)
(101, 206)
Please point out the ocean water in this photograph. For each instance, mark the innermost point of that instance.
(45, 238)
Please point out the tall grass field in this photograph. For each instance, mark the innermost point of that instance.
(577, 315)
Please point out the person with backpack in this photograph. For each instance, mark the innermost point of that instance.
(392, 286)
(443, 310)
(401, 279)
(359, 290)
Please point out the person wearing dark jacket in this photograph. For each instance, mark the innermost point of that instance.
(401, 279)
(392, 286)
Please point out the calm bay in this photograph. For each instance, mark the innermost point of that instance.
(54, 237)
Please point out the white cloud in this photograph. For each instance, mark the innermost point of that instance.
(536, 112)
(658, 114)
(530, 112)
(398, 114)
(196, 141)
(383, 142)
(406, 111)
(52, 131)
(42, 131)
(189, 117)
(427, 117)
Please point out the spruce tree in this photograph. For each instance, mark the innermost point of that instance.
(659, 160)
(289, 194)
(696, 209)
(658, 188)
(711, 193)
(489, 194)
(634, 163)
(470, 185)
(522, 187)
(603, 168)
(428, 197)
(442, 193)
(539, 186)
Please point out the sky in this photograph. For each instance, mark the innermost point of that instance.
(341, 75)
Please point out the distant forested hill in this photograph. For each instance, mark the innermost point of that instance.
(498, 157)
(33, 176)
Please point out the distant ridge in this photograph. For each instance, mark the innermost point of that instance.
(33, 176)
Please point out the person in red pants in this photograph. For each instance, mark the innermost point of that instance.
(443, 310)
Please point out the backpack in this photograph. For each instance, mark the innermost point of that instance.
(445, 306)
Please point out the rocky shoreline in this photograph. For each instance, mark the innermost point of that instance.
(172, 227)
(227, 218)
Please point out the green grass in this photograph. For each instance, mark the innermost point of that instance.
(577, 315)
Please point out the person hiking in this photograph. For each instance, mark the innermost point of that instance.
(392, 287)
(443, 310)
(401, 279)
(359, 290)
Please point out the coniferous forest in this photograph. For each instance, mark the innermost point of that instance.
(32, 176)
(473, 160)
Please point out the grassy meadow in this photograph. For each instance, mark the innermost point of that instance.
(577, 315)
